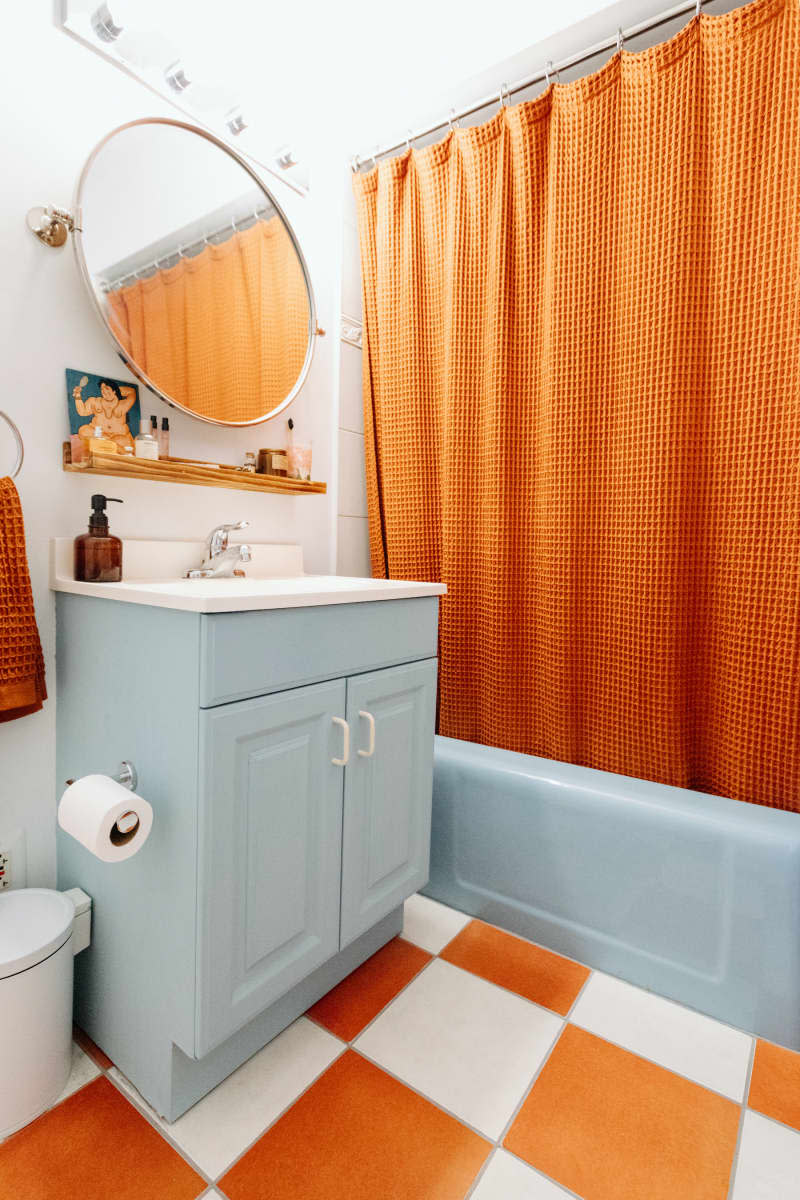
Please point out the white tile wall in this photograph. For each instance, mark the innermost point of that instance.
(351, 405)
(353, 547)
(352, 478)
(352, 557)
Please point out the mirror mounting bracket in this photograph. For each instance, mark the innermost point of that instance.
(52, 225)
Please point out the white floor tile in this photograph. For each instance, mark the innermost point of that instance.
(467, 1044)
(82, 1071)
(506, 1178)
(687, 1042)
(769, 1161)
(431, 925)
(219, 1127)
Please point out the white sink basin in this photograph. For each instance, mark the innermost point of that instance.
(266, 584)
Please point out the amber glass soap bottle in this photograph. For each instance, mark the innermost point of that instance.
(98, 554)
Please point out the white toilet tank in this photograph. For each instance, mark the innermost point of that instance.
(35, 1002)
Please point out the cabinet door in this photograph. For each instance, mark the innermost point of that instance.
(387, 801)
(269, 851)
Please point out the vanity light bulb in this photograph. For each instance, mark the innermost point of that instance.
(235, 122)
(104, 26)
(176, 77)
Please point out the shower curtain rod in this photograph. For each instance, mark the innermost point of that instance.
(551, 69)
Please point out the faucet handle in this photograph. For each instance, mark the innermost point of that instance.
(217, 540)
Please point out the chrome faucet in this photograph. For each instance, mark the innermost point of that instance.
(221, 560)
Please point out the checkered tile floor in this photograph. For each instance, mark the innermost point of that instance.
(458, 1061)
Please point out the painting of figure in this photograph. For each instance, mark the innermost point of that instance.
(111, 405)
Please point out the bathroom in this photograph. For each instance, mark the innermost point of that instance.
(412, 811)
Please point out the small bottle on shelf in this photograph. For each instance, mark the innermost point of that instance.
(146, 445)
(163, 439)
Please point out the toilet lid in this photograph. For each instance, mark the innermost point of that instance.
(34, 923)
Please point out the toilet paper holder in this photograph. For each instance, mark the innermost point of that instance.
(128, 822)
(126, 775)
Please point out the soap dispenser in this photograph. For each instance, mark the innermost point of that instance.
(98, 555)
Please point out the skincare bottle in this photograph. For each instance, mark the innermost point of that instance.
(146, 445)
(98, 443)
(163, 439)
(98, 555)
(154, 425)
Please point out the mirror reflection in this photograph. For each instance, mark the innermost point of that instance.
(195, 271)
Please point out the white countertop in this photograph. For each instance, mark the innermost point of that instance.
(152, 573)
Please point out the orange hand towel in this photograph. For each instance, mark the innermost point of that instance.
(22, 687)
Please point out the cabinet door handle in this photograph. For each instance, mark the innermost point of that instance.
(371, 750)
(342, 762)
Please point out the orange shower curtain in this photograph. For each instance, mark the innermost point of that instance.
(224, 332)
(582, 409)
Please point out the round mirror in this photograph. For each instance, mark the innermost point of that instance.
(195, 271)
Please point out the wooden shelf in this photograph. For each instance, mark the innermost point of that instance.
(185, 470)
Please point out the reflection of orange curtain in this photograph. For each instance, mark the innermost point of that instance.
(224, 332)
(582, 405)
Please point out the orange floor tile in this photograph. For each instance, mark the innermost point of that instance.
(775, 1084)
(610, 1125)
(352, 1004)
(89, 1047)
(94, 1146)
(530, 971)
(358, 1134)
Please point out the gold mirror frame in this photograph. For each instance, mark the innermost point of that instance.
(77, 241)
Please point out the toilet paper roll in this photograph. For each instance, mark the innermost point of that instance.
(105, 817)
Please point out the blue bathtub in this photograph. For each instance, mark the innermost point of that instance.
(692, 896)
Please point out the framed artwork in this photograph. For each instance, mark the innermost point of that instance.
(110, 404)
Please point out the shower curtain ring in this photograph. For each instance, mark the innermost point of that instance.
(698, 8)
(549, 71)
(620, 40)
(451, 120)
(408, 139)
(504, 94)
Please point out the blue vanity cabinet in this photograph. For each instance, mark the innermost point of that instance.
(271, 872)
(387, 794)
(269, 851)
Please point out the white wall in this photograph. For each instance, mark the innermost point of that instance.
(353, 534)
(58, 100)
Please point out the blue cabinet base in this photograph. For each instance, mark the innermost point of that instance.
(187, 1080)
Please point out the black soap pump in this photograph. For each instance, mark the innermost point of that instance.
(98, 554)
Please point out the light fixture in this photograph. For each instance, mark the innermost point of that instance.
(284, 157)
(176, 77)
(235, 122)
(104, 26)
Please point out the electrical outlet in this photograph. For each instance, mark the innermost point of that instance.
(12, 860)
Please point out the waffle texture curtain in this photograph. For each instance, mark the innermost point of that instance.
(582, 409)
(225, 332)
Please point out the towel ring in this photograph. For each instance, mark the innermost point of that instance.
(18, 440)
